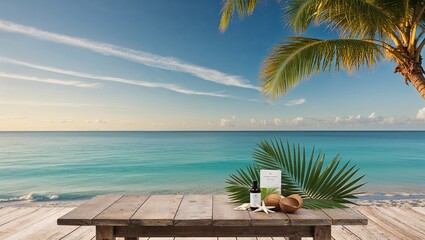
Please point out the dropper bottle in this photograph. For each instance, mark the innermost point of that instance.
(255, 196)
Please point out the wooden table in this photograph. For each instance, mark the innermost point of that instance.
(133, 216)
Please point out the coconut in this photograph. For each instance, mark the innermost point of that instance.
(273, 200)
(291, 203)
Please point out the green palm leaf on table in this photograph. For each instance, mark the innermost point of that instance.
(319, 186)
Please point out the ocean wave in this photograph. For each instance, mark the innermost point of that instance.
(40, 197)
(34, 197)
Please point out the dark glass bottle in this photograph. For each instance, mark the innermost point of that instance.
(255, 195)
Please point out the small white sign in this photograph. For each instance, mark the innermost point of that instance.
(271, 179)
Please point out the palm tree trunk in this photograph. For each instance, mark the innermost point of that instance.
(418, 81)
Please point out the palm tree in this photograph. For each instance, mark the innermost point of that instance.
(370, 31)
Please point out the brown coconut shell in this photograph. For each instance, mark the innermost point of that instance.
(291, 203)
(273, 200)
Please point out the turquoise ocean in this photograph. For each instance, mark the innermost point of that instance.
(43, 166)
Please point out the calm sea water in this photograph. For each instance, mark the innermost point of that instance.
(75, 165)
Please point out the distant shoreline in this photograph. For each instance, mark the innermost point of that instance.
(219, 131)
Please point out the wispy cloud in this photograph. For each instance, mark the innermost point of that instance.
(372, 120)
(296, 121)
(225, 122)
(98, 121)
(295, 102)
(341, 122)
(259, 123)
(48, 80)
(170, 87)
(277, 121)
(421, 114)
(144, 58)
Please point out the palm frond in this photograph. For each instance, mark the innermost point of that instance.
(226, 14)
(351, 18)
(267, 191)
(243, 7)
(400, 11)
(320, 186)
(298, 58)
(240, 183)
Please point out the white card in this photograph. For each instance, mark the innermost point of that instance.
(271, 179)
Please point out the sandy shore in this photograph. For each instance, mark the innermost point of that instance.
(75, 203)
(26, 203)
(393, 203)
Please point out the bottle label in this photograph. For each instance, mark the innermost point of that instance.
(255, 200)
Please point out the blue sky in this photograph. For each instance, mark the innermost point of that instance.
(163, 65)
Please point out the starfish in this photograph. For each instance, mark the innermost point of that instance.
(264, 208)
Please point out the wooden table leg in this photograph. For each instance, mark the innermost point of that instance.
(105, 233)
(322, 233)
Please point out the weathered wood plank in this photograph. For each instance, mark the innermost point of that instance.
(408, 220)
(157, 238)
(194, 210)
(411, 212)
(25, 221)
(6, 210)
(120, 212)
(271, 219)
(45, 228)
(388, 223)
(17, 213)
(225, 215)
(130, 238)
(84, 214)
(341, 233)
(213, 231)
(371, 231)
(158, 210)
(54, 233)
(246, 238)
(304, 217)
(198, 238)
(295, 238)
(345, 216)
(81, 233)
(419, 209)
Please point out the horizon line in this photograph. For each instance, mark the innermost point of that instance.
(266, 130)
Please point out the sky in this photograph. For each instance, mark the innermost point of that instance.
(164, 65)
